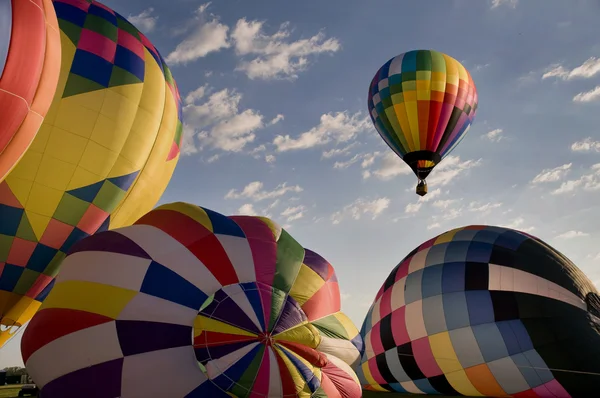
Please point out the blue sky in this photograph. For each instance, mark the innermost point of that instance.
(276, 123)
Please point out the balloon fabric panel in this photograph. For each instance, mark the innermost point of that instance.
(29, 70)
(108, 146)
(483, 311)
(184, 270)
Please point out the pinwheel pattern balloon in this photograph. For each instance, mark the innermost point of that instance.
(29, 70)
(484, 311)
(264, 314)
(422, 103)
(102, 158)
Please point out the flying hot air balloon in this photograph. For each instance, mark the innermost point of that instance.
(190, 303)
(422, 103)
(29, 70)
(102, 158)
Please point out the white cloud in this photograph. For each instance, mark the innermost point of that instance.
(247, 210)
(494, 135)
(144, 21)
(293, 213)
(206, 38)
(434, 225)
(274, 56)
(196, 95)
(217, 122)
(255, 191)
(360, 207)
(588, 96)
(413, 207)
(444, 204)
(586, 145)
(587, 182)
(338, 151)
(552, 175)
(517, 224)
(270, 158)
(276, 119)
(431, 195)
(347, 163)
(508, 3)
(572, 234)
(483, 208)
(339, 126)
(590, 68)
(450, 168)
(213, 158)
(390, 166)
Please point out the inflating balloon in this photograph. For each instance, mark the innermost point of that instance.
(189, 303)
(29, 69)
(484, 311)
(108, 147)
(422, 103)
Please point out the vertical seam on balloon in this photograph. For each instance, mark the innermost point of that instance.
(439, 146)
(392, 136)
(407, 134)
(140, 172)
(435, 145)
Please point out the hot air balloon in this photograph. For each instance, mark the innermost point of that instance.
(190, 303)
(484, 311)
(422, 103)
(102, 158)
(29, 70)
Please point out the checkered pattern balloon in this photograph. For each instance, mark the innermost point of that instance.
(103, 156)
(190, 303)
(484, 311)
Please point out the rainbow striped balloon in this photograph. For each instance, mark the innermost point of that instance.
(263, 311)
(422, 103)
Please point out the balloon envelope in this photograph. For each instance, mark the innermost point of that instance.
(29, 70)
(422, 103)
(102, 158)
(484, 311)
(212, 304)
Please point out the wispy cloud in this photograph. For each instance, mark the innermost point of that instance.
(494, 135)
(587, 182)
(590, 68)
(360, 207)
(206, 37)
(586, 145)
(218, 122)
(255, 191)
(144, 21)
(338, 127)
(507, 3)
(588, 96)
(275, 56)
(552, 175)
(572, 234)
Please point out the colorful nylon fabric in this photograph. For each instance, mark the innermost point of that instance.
(484, 311)
(29, 70)
(102, 158)
(263, 311)
(422, 100)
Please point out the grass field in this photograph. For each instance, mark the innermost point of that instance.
(11, 391)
